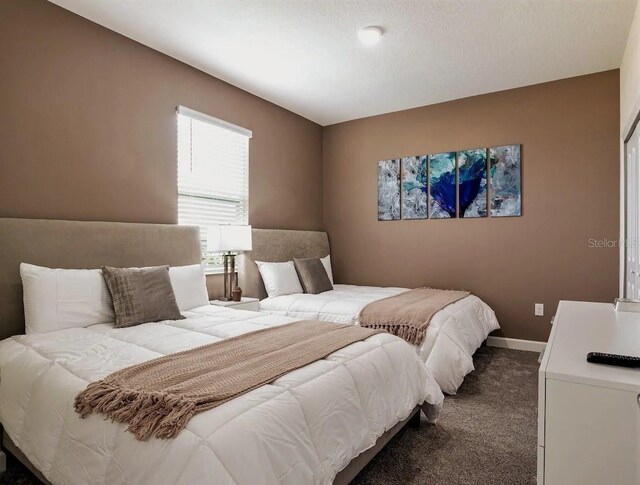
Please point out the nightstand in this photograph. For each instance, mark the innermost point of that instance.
(251, 304)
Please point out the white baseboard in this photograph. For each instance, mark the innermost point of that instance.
(516, 344)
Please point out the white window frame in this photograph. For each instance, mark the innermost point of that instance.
(212, 261)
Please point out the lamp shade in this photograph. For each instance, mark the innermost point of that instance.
(229, 238)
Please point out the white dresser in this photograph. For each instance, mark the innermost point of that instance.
(589, 414)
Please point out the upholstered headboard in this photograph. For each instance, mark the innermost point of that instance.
(78, 244)
(277, 245)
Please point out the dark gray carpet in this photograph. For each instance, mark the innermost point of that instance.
(16, 474)
(485, 435)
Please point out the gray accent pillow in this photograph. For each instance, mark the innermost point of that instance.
(313, 275)
(141, 295)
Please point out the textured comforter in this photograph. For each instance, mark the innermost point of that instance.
(452, 337)
(160, 396)
(278, 433)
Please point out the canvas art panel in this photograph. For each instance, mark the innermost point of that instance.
(472, 183)
(442, 185)
(414, 187)
(505, 183)
(389, 190)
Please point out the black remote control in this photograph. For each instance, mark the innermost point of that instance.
(613, 359)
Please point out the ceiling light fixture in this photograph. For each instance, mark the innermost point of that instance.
(370, 35)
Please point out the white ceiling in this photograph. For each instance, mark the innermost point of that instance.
(305, 55)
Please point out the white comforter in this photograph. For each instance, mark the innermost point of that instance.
(302, 429)
(453, 335)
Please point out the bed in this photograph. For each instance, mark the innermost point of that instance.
(453, 336)
(278, 433)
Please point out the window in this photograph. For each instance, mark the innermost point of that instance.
(213, 175)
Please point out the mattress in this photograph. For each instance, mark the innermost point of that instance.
(303, 428)
(453, 336)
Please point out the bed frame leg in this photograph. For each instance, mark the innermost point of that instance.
(414, 422)
(3, 457)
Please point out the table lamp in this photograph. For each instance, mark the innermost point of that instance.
(229, 239)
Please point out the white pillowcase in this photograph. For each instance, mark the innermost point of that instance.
(64, 298)
(189, 286)
(326, 262)
(279, 278)
(56, 298)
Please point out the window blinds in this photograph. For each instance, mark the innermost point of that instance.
(213, 173)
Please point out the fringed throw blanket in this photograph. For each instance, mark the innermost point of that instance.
(408, 314)
(159, 397)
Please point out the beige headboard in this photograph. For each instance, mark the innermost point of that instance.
(277, 245)
(78, 244)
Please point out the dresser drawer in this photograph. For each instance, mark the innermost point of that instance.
(592, 435)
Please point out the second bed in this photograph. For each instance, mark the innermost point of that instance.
(452, 337)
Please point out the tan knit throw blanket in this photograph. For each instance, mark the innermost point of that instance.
(159, 397)
(408, 314)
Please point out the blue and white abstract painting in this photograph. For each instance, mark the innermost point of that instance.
(414, 187)
(442, 185)
(472, 183)
(389, 190)
(504, 163)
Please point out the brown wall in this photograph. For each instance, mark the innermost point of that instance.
(88, 128)
(570, 158)
(88, 131)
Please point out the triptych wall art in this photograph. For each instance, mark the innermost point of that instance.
(468, 183)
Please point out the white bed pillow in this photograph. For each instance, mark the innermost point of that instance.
(64, 298)
(189, 286)
(280, 278)
(326, 262)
